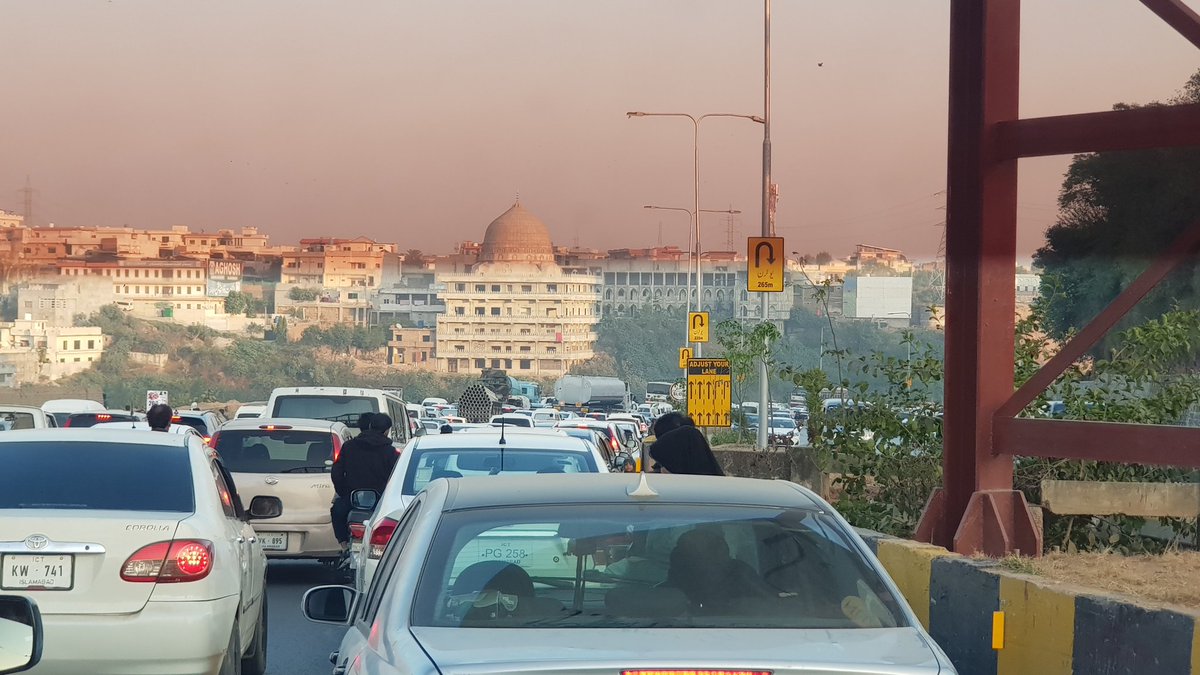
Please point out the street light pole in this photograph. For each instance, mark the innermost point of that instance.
(690, 217)
(764, 387)
(696, 189)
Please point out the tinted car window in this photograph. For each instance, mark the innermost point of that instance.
(344, 409)
(84, 420)
(82, 475)
(649, 565)
(427, 465)
(274, 451)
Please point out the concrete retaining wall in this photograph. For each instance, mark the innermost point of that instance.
(1051, 628)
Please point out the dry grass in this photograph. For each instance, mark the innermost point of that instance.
(1172, 578)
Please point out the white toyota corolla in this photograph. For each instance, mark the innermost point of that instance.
(138, 551)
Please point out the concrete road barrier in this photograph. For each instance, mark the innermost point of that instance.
(1051, 628)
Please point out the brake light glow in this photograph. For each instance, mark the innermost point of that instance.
(380, 536)
(357, 530)
(274, 427)
(170, 562)
(213, 443)
(337, 452)
(103, 417)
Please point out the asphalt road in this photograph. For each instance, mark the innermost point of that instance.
(296, 646)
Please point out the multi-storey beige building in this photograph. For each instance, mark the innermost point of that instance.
(517, 309)
(34, 351)
(154, 287)
(9, 219)
(337, 263)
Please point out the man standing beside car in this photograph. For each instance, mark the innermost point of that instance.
(365, 463)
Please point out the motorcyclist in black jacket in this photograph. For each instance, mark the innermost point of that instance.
(365, 463)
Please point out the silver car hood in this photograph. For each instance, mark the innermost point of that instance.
(606, 651)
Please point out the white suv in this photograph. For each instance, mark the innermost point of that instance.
(137, 550)
(343, 404)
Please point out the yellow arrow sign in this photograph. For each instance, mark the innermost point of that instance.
(764, 260)
(697, 327)
(685, 354)
(709, 389)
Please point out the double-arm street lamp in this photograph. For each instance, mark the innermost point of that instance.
(690, 251)
(695, 211)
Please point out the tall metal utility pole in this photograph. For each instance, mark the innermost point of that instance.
(27, 193)
(764, 387)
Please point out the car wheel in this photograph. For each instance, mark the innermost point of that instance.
(255, 662)
(232, 663)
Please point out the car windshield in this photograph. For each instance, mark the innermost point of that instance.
(427, 465)
(783, 423)
(344, 409)
(651, 566)
(81, 475)
(275, 450)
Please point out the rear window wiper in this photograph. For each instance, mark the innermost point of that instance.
(306, 469)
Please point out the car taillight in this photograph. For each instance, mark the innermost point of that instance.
(380, 536)
(170, 561)
(103, 418)
(212, 443)
(67, 423)
(357, 530)
(612, 440)
(337, 452)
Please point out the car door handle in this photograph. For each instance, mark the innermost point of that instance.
(253, 539)
(240, 540)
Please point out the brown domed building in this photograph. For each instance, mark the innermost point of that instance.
(517, 309)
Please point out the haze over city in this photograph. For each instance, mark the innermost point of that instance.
(420, 122)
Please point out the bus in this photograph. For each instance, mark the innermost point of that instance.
(658, 392)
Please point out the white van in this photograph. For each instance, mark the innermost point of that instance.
(62, 408)
(343, 404)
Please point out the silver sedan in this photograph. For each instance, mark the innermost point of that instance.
(625, 573)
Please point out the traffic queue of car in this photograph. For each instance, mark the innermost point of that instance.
(149, 555)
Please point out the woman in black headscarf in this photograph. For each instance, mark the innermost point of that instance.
(681, 448)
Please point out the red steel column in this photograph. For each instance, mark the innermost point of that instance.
(980, 251)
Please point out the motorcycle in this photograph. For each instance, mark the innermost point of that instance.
(362, 507)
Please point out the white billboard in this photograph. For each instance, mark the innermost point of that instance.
(877, 297)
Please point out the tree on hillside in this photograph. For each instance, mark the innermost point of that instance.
(823, 258)
(1117, 212)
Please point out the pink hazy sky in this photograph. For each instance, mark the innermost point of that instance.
(418, 122)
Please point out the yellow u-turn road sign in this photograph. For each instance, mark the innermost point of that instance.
(697, 326)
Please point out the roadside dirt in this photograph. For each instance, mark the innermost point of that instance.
(1172, 578)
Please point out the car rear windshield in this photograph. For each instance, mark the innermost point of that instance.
(96, 475)
(649, 566)
(196, 423)
(344, 409)
(84, 420)
(427, 465)
(275, 450)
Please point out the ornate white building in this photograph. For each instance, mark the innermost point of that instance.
(517, 309)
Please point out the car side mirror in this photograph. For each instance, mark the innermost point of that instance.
(329, 604)
(420, 432)
(20, 634)
(264, 507)
(364, 500)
